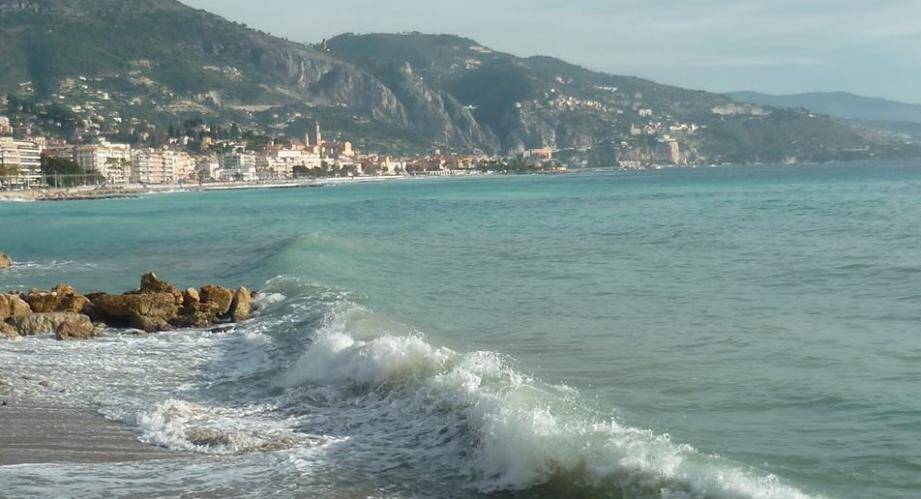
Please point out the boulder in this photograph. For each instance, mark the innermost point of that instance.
(241, 308)
(61, 298)
(46, 323)
(217, 297)
(8, 331)
(190, 296)
(5, 261)
(150, 283)
(150, 312)
(64, 289)
(207, 437)
(13, 306)
(75, 330)
(198, 315)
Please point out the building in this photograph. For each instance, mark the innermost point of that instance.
(339, 150)
(60, 149)
(20, 163)
(180, 164)
(238, 166)
(111, 161)
(162, 166)
(279, 163)
(5, 127)
(208, 168)
(148, 166)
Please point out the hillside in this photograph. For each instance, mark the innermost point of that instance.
(839, 105)
(121, 64)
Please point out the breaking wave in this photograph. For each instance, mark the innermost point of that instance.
(503, 430)
(319, 385)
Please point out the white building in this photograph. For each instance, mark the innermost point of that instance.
(238, 166)
(208, 168)
(22, 157)
(181, 164)
(112, 161)
(147, 166)
(5, 127)
(161, 166)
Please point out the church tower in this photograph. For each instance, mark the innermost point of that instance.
(319, 136)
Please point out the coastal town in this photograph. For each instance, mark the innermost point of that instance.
(199, 154)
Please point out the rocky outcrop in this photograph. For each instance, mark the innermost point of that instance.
(7, 331)
(47, 323)
(241, 308)
(217, 298)
(12, 306)
(150, 312)
(190, 297)
(5, 261)
(75, 330)
(61, 298)
(155, 306)
(214, 304)
(150, 283)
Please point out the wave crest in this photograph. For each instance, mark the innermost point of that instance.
(518, 434)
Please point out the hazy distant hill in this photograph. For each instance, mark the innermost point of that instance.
(839, 105)
(161, 61)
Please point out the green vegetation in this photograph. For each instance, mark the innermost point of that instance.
(59, 172)
(150, 70)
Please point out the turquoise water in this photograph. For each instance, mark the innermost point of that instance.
(731, 332)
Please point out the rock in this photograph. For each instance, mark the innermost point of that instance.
(217, 297)
(62, 298)
(151, 324)
(150, 283)
(190, 296)
(207, 437)
(241, 308)
(46, 323)
(13, 306)
(5, 261)
(199, 315)
(64, 289)
(9, 332)
(75, 330)
(150, 312)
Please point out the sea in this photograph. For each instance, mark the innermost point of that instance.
(731, 332)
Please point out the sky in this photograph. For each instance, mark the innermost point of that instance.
(867, 47)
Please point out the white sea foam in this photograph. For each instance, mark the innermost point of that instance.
(182, 425)
(368, 393)
(521, 433)
(69, 265)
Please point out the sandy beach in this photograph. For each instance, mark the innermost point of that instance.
(39, 433)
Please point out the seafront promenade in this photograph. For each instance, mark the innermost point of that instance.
(135, 190)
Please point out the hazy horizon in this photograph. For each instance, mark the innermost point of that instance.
(776, 47)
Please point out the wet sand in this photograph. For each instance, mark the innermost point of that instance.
(32, 434)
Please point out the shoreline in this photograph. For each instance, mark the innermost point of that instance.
(130, 191)
(32, 432)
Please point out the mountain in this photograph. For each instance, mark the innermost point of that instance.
(115, 65)
(839, 105)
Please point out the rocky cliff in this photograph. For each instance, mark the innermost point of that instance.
(161, 61)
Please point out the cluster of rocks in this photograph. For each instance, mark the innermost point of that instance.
(5, 261)
(154, 307)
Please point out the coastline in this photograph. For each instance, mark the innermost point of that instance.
(138, 190)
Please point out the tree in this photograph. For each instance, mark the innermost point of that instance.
(301, 171)
(60, 172)
(9, 171)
